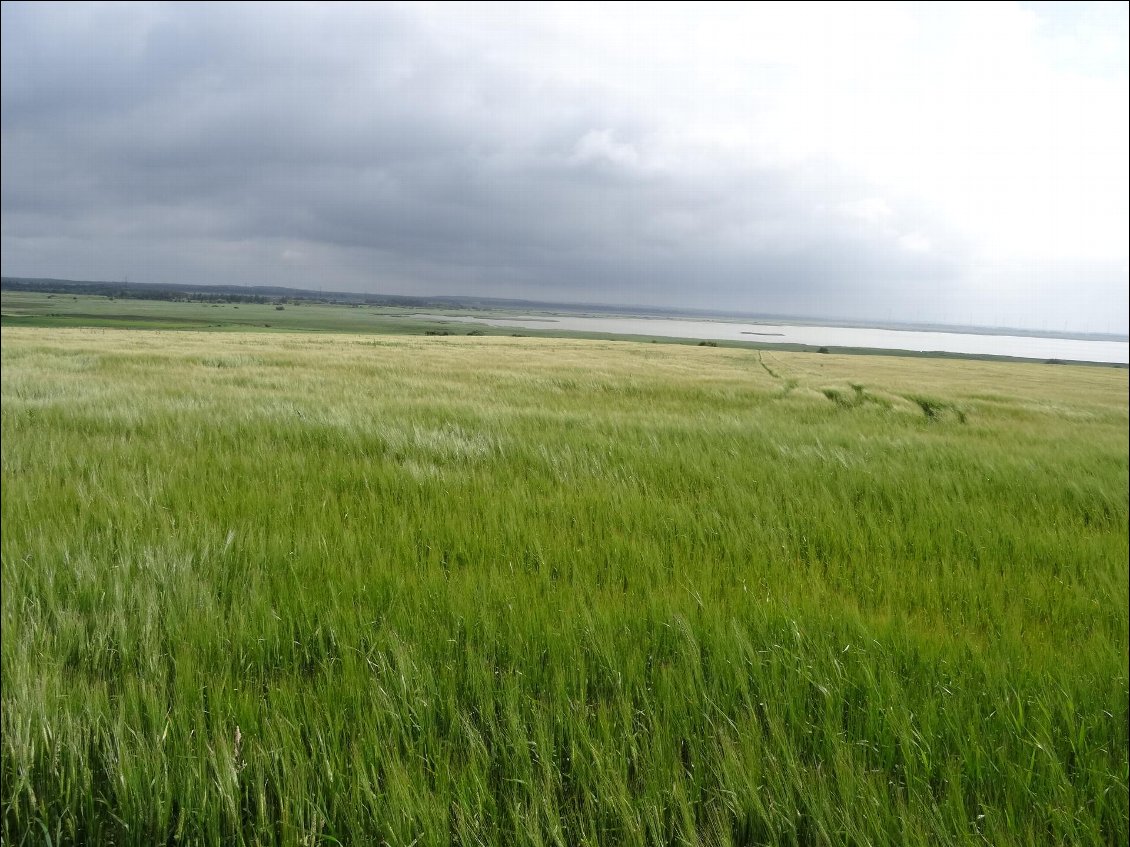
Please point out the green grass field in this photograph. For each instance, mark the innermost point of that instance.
(35, 309)
(24, 308)
(277, 588)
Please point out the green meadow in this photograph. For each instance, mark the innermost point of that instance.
(52, 310)
(26, 309)
(286, 588)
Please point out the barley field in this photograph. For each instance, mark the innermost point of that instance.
(285, 589)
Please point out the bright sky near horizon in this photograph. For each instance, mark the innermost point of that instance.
(948, 163)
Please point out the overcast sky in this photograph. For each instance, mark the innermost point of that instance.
(937, 163)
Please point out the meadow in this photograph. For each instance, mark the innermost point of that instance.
(41, 309)
(280, 588)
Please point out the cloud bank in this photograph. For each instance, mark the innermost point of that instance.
(924, 163)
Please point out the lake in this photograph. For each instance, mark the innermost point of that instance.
(1019, 346)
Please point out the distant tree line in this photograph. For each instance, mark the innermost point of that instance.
(125, 291)
(215, 293)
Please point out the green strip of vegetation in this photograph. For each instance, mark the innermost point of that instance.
(354, 589)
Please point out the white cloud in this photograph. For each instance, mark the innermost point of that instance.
(975, 108)
(915, 242)
(600, 145)
(873, 210)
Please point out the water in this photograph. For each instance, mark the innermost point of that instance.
(1018, 346)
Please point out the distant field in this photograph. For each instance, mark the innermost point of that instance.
(32, 309)
(22, 308)
(287, 588)
(35, 309)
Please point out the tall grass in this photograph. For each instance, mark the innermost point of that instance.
(272, 589)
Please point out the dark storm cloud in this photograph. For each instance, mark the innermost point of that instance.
(369, 148)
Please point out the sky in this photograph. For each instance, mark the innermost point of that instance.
(937, 163)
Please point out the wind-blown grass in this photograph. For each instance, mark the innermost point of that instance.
(278, 589)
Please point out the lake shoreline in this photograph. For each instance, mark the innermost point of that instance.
(1021, 347)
